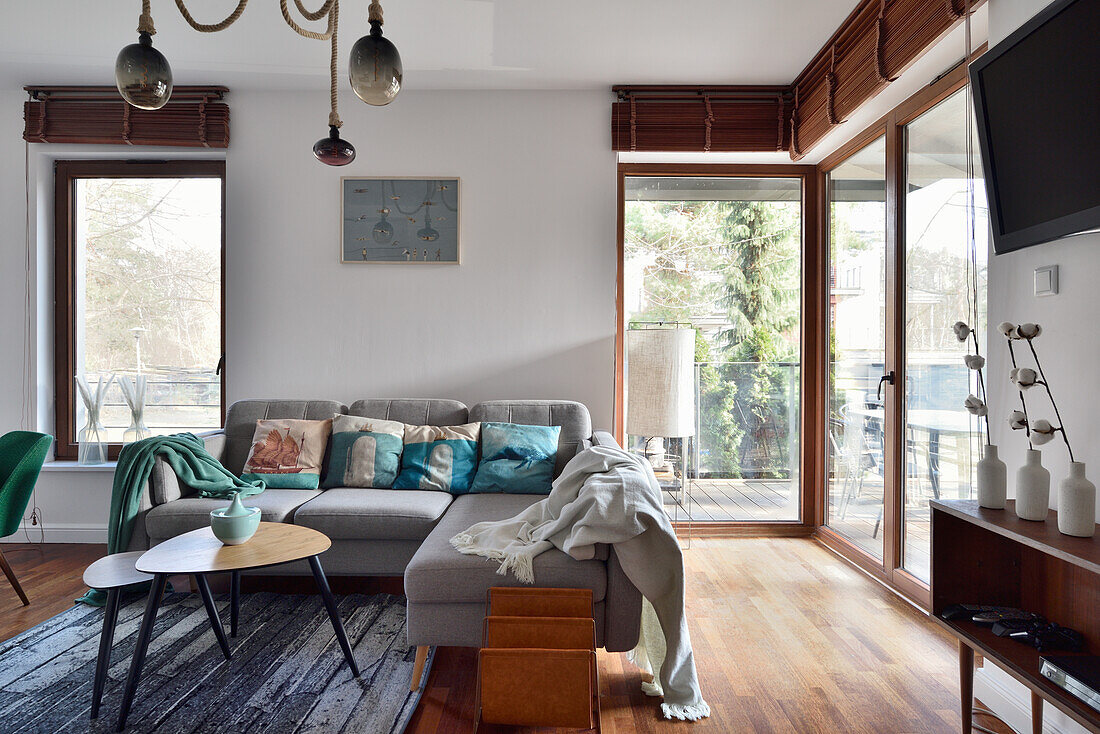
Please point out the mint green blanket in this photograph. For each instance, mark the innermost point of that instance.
(192, 463)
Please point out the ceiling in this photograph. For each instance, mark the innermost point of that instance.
(444, 44)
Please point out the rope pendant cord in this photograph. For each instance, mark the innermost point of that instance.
(330, 8)
(145, 20)
(333, 115)
(211, 27)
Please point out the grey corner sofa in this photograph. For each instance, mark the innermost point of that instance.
(387, 532)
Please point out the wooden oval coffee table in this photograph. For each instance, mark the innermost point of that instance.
(198, 553)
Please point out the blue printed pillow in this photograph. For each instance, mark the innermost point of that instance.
(439, 457)
(365, 452)
(516, 459)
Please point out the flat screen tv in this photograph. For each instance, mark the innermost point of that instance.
(1037, 105)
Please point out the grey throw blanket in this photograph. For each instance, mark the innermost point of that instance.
(607, 495)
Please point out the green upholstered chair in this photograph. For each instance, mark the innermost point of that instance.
(22, 454)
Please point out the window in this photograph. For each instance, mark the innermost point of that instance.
(140, 291)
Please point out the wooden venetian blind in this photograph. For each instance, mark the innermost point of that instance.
(700, 118)
(196, 117)
(878, 40)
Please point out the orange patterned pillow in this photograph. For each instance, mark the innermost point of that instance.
(287, 453)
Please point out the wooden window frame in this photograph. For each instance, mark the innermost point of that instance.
(812, 345)
(889, 570)
(66, 173)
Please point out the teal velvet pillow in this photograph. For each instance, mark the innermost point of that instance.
(516, 459)
(439, 457)
(364, 452)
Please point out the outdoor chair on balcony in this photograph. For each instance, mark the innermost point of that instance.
(861, 453)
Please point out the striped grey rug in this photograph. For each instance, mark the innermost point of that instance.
(287, 674)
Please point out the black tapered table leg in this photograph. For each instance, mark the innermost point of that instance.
(106, 639)
(234, 601)
(212, 612)
(333, 613)
(160, 580)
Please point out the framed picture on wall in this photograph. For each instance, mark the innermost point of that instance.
(399, 220)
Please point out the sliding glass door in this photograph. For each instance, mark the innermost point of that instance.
(945, 282)
(856, 472)
(907, 226)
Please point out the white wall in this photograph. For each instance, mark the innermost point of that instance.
(530, 312)
(1070, 350)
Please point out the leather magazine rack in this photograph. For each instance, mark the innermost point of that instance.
(537, 664)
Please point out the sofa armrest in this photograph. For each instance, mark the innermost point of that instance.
(622, 609)
(214, 441)
(164, 485)
(604, 438)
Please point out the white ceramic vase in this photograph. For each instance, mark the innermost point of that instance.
(1033, 488)
(1077, 503)
(992, 480)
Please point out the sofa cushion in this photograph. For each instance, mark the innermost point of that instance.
(439, 457)
(287, 453)
(518, 459)
(357, 513)
(439, 573)
(240, 422)
(365, 452)
(191, 513)
(575, 422)
(414, 411)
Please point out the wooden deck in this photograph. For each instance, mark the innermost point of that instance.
(756, 500)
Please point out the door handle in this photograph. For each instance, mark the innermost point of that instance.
(221, 366)
(888, 378)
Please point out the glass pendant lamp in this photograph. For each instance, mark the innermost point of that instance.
(375, 66)
(142, 74)
(334, 150)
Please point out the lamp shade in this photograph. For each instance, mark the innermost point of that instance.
(660, 396)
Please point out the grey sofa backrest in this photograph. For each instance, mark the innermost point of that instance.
(414, 411)
(240, 422)
(575, 422)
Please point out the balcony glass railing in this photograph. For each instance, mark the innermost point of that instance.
(743, 461)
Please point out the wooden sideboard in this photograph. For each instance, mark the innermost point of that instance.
(992, 557)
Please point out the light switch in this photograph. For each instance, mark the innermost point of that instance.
(1046, 280)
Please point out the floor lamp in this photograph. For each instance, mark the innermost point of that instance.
(660, 396)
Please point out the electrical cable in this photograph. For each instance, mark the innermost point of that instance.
(26, 419)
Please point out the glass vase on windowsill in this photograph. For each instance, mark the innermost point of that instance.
(133, 392)
(92, 438)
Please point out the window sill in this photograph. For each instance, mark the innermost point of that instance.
(68, 465)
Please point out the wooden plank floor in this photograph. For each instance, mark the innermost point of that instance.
(50, 573)
(788, 638)
(769, 500)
